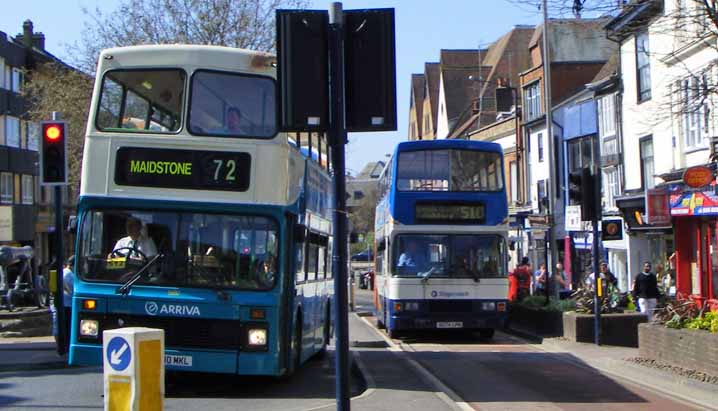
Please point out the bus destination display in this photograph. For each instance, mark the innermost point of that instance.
(200, 170)
(455, 213)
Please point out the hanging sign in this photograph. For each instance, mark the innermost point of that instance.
(698, 176)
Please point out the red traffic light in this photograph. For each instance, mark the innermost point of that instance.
(53, 132)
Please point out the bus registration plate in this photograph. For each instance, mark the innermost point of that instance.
(449, 324)
(178, 360)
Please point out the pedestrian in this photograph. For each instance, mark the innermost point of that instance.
(522, 279)
(645, 290)
(605, 274)
(539, 280)
(558, 281)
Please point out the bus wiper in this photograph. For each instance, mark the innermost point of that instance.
(125, 288)
(425, 276)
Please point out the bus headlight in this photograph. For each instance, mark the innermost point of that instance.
(489, 306)
(89, 328)
(257, 337)
(411, 306)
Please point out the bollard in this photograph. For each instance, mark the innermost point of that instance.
(134, 370)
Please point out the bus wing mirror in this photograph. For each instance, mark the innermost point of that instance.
(72, 223)
(512, 245)
(300, 233)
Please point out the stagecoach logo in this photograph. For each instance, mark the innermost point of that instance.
(449, 294)
(152, 308)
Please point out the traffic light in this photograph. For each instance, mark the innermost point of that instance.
(574, 188)
(53, 156)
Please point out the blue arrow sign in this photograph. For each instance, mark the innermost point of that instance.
(118, 353)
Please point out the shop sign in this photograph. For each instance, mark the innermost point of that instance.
(573, 218)
(658, 209)
(6, 223)
(698, 176)
(694, 203)
(611, 230)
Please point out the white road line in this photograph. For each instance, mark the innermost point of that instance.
(446, 394)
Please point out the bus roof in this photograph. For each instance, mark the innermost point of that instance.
(182, 55)
(447, 144)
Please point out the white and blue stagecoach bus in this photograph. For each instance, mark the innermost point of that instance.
(196, 216)
(440, 238)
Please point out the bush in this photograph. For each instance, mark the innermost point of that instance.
(708, 321)
(538, 302)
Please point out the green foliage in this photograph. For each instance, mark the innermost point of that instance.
(538, 302)
(708, 321)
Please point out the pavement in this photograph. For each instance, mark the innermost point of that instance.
(29, 353)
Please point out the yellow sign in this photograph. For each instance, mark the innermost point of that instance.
(160, 167)
(116, 263)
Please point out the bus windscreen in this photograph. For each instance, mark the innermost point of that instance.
(449, 170)
(141, 101)
(195, 249)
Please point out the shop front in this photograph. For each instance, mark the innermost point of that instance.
(695, 221)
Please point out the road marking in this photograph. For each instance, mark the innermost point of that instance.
(445, 394)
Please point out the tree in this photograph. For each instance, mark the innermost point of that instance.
(53, 87)
(234, 23)
(362, 219)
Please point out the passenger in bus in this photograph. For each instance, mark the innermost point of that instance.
(411, 260)
(136, 239)
(234, 121)
(265, 274)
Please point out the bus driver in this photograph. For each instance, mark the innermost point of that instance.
(411, 260)
(135, 239)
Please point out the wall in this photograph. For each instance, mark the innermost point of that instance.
(689, 349)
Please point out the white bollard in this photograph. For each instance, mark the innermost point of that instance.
(134, 370)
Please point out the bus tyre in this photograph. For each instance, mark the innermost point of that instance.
(393, 334)
(486, 333)
(326, 335)
(297, 346)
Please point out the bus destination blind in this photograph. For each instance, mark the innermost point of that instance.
(450, 213)
(188, 169)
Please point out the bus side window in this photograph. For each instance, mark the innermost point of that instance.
(312, 262)
(300, 276)
(322, 263)
(379, 258)
(329, 258)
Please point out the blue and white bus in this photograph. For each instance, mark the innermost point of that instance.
(196, 216)
(440, 237)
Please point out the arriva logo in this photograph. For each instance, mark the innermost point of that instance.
(152, 308)
(449, 294)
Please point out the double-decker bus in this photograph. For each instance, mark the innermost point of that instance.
(440, 238)
(196, 216)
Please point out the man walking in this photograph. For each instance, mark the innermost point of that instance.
(645, 290)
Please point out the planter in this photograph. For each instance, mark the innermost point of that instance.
(689, 349)
(539, 322)
(616, 329)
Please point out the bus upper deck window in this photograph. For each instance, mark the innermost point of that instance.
(227, 104)
(147, 101)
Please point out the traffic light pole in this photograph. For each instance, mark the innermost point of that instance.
(596, 198)
(338, 139)
(59, 262)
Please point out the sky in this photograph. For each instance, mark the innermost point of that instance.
(423, 28)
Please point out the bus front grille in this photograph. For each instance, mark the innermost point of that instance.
(450, 306)
(184, 332)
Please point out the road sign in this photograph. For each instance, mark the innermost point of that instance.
(118, 353)
(134, 368)
(573, 218)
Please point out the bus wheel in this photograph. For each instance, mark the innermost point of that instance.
(326, 335)
(393, 334)
(380, 322)
(486, 333)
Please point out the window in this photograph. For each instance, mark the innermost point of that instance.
(12, 131)
(607, 116)
(611, 187)
(16, 83)
(141, 101)
(300, 274)
(312, 258)
(28, 190)
(532, 101)
(540, 147)
(541, 196)
(580, 154)
(213, 251)
(695, 110)
(8, 77)
(358, 195)
(450, 170)
(513, 170)
(33, 136)
(643, 67)
(233, 105)
(7, 188)
(647, 169)
(2, 73)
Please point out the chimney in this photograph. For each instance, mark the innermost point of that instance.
(38, 40)
(27, 33)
